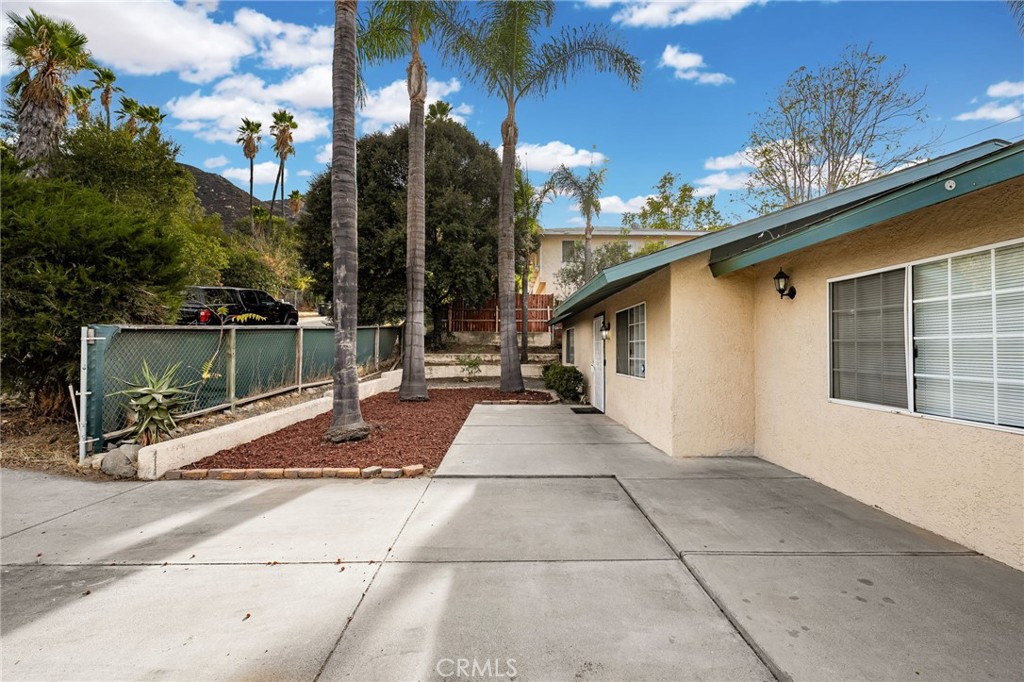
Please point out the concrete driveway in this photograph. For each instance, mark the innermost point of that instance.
(550, 546)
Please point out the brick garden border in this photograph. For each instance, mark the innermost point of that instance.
(411, 471)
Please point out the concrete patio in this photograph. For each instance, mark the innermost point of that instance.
(549, 546)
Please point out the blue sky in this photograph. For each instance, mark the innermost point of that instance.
(709, 66)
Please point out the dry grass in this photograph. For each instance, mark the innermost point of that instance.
(40, 444)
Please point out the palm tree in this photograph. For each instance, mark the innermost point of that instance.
(295, 201)
(129, 113)
(528, 203)
(439, 111)
(281, 129)
(397, 28)
(249, 136)
(103, 81)
(48, 52)
(152, 117)
(586, 191)
(501, 51)
(1017, 10)
(346, 418)
(80, 101)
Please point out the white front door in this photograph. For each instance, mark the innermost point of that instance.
(597, 385)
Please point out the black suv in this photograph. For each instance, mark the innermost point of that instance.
(203, 305)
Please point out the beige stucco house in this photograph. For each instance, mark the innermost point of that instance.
(894, 374)
(556, 243)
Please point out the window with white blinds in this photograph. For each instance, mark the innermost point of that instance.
(957, 320)
(968, 330)
(869, 352)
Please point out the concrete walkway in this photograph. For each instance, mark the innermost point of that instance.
(550, 546)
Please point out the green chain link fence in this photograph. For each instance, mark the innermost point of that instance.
(245, 363)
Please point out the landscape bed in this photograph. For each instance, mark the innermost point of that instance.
(403, 434)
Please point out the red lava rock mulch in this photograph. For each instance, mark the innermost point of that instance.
(402, 434)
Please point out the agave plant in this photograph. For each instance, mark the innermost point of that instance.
(153, 402)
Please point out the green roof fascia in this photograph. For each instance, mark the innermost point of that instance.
(617, 278)
(992, 169)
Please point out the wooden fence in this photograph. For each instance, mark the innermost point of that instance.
(487, 318)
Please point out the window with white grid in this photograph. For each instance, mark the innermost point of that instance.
(631, 341)
(570, 346)
(968, 333)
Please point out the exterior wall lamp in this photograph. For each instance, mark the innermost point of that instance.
(606, 329)
(782, 285)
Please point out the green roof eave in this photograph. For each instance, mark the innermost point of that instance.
(993, 169)
(822, 211)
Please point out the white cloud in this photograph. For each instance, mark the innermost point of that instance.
(717, 182)
(215, 117)
(149, 38)
(730, 162)
(326, 154)
(547, 157)
(992, 111)
(690, 66)
(389, 105)
(263, 173)
(286, 45)
(302, 173)
(216, 162)
(662, 14)
(1006, 89)
(615, 204)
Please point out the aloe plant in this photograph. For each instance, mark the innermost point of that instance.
(153, 402)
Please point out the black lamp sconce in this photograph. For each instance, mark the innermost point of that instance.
(782, 285)
(605, 330)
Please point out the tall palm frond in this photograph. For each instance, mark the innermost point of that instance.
(250, 136)
(80, 101)
(103, 80)
(46, 52)
(501, 49)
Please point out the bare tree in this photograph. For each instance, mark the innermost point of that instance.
(833, 127)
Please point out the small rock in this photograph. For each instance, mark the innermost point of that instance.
(194, 474)
(132, 450)
(173, 475)
(117, 463)
(371, 472)
(413, 470)
(349, 472)
(271, 473)
(310, 473)
(390, 473)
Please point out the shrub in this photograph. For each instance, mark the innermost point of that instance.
(565, 380)
(71, 257)
(470, 365)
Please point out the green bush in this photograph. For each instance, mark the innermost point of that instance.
(565, 380)
(72, 257)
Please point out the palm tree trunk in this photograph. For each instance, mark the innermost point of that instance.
(525, 304)
(346, 419)
(414, 375)
(273, 196)
(511, 372)
(39, 129)
(280, 172)
(252, 218)
(588, 252)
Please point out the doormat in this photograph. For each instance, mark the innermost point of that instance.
(587, 409)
